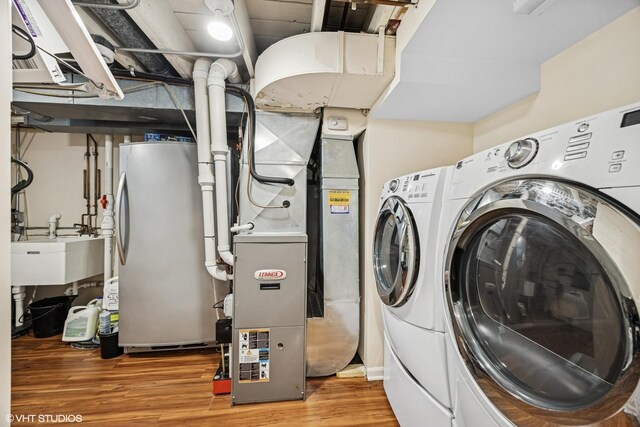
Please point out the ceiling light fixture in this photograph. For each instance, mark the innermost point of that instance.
(219, 28)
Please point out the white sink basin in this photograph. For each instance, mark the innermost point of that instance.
(56, 261)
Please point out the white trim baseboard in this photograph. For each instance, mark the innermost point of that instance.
(375, 374)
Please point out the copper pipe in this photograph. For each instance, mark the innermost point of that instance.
(96, 183)
(86, 185)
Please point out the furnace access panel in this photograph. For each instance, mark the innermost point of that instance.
(269, 318)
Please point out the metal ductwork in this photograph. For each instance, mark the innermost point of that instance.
(284, 144)
(315, 70)
(126, 30)
(332, 340)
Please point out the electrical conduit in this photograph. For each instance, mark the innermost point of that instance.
(219, 71)
(205, 167)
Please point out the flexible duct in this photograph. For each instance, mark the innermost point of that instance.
(128, 32)
(219, 71)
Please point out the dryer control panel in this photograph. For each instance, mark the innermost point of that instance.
(600, 151)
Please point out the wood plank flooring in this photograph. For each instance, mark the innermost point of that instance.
(50, 377)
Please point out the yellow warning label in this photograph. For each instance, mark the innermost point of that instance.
(339, 198)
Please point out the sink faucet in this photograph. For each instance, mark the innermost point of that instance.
(53, 225)
(86, 229)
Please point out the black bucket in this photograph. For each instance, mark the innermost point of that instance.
(48, 315)
(109, 345)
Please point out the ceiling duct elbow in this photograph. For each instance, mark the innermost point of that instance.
(309, 71)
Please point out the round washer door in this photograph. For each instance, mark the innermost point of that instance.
(396, 253)
(541, 280)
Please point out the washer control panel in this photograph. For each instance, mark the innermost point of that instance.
(578, 144)
(416, 187)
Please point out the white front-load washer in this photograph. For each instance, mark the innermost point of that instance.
(542, 275)
(405, 265)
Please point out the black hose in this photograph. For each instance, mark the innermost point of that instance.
(241, 93)
(25, 182)
(139, 75)
(23, 34)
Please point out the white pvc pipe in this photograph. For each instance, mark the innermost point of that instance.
(218, 73)
(317, 15)
(205, 167)
(75, 287)
(53, 225)
(108, 223)
(19, 294)
(243, 21)
(244, 227)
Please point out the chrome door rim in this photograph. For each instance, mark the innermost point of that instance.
(473, 218)
(397, 293)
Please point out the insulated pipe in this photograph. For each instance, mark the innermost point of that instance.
(205, 167)
(25, 182)
(130, 5)
(251, 110)
(219, 71)
(108, 223)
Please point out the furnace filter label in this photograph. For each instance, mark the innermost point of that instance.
(339, 201)
(253, 358)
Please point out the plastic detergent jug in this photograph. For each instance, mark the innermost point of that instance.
(81, 322)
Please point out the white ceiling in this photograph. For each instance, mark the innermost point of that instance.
(181, 25)
(271, 20)
(471, 58)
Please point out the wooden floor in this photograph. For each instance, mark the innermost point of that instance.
(50, 377)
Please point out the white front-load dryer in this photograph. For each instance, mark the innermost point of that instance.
(542, 275)
(404, 259)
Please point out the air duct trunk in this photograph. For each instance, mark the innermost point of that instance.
(332, 340)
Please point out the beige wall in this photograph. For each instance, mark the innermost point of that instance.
(596, 74)
(57, 160)
(388, 149)
(5, 246)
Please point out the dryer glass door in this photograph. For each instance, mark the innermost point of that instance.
(540, 297)
(396, 252)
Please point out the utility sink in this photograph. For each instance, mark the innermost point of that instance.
(56, 261)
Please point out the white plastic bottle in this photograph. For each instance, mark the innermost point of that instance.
(81, 323)
(104, 322)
